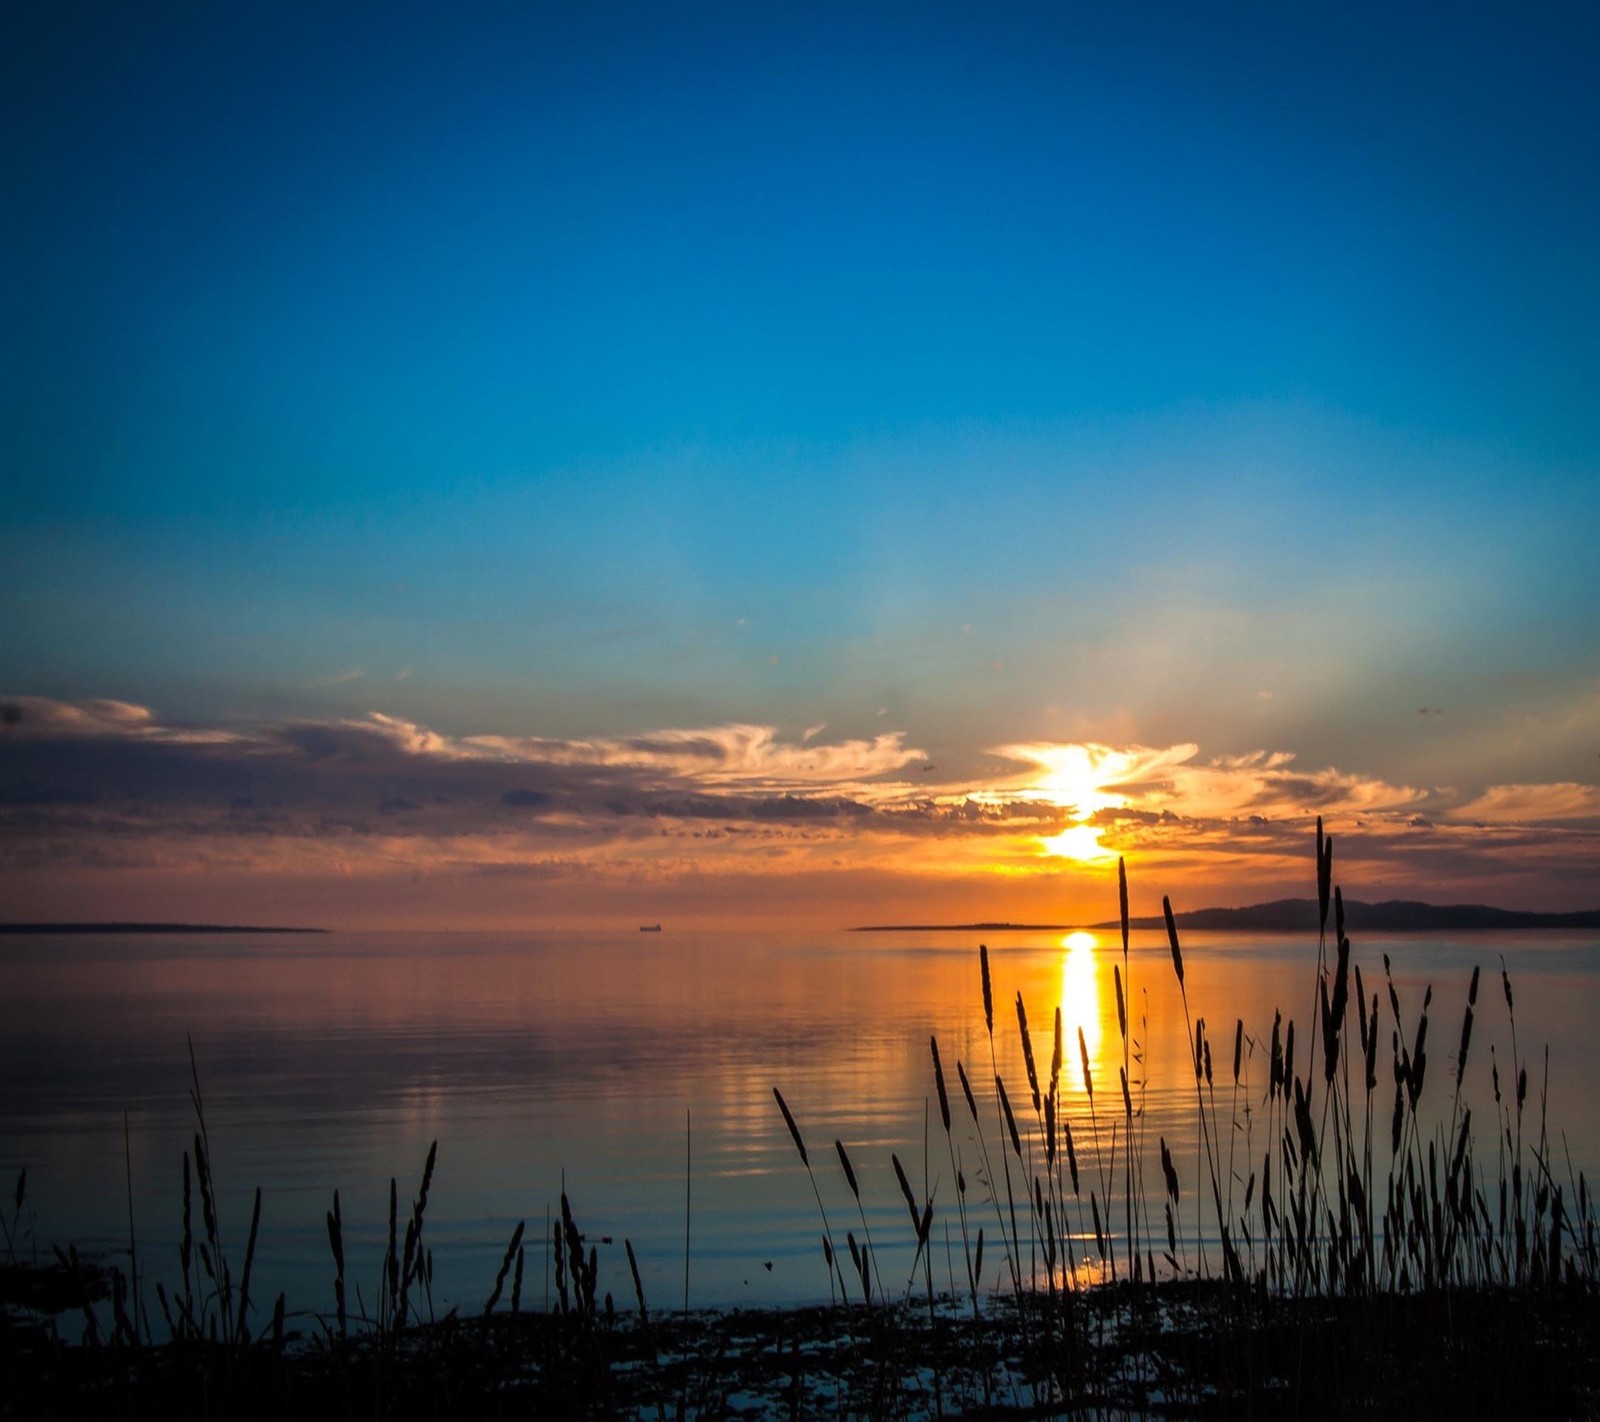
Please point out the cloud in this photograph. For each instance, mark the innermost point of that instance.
(145, 776)
(1533, 804)
(40, 718)
(1170, 779)
(525, 799)
(108, 785)
(744, 755)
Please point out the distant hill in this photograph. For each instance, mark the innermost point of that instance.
(1391, 916)
(149, 928)
(1295, 916)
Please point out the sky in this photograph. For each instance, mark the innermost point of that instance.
(825, 464)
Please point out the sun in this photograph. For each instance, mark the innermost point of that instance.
(1081, 781)
(1073, 777)
(1079, 842)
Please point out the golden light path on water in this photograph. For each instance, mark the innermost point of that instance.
(1080, 1012)
(1080, 1005)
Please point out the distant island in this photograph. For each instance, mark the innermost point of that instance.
(1297, 916)
(966, 927)
(151, 928)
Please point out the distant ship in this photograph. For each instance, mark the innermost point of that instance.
(649, 928)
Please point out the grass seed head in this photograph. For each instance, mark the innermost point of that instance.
(794, 1130)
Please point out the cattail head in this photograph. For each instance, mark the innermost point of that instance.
(794, 1130)
(1275, 1077)
(1122, 1009)
(938, 1081)
(1172, 938)
(1341, 981)
(1122, 900)
(905, 1188)
(1324, 875)
(988, 994)
(1419, 1052)
(1011, 1121)
(1330, 1033)
(1055, 1055)
(1372, 1047)
(966, 1090)
(638, 1288)
(336, 1235)
(1027, 1051)
(1361, 1003)
(849, 1174)
(1466, 1041)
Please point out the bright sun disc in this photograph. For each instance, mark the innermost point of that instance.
(1080, 842)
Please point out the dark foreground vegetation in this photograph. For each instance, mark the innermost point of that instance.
(1353, 1256)
(1178, 1349)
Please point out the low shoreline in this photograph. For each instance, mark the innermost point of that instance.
(131, 927)
(1183, 1348)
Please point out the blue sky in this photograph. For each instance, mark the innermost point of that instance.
(1138, 377)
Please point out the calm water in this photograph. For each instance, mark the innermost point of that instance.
(332, 1062)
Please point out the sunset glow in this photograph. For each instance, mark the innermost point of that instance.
(1080, 842)
(794, 468)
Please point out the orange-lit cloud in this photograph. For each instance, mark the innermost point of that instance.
(1533, 804)
(1093, 778)
(739, 815)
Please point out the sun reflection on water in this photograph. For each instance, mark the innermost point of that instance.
(1080, 1004)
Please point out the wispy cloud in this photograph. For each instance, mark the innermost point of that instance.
(1173, 780)
(37, 718)
(1533, 804)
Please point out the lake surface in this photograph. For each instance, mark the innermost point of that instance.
(634, 1067)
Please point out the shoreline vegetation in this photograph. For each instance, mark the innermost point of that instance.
(1295, 916)
(1341, 1239)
